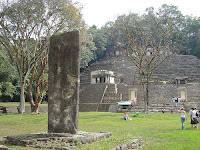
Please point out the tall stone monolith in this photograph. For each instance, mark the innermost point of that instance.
(63, 83)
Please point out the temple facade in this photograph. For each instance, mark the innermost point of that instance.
(115, 78)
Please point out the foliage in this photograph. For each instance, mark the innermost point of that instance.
(186, 30)
(192, 32)
(158, 131)
(137, 115)
(99, 38)
(147, 41)
(8, 78)
(94, 41)
(166, 31)
(87, 49)
(25, 29)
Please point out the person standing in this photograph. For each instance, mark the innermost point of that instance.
(190, 112)
(183, 116)
(197, 114)
(173, 99)
(194, 118)
(172, 110)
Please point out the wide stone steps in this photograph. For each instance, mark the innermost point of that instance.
(110, 95)
(153, 108)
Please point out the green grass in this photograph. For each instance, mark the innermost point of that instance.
(158, 131)
(10, 104)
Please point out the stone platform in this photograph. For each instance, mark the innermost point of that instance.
(56, 140)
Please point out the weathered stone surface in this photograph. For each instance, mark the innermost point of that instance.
(14, 109)
(55, 141)
(134, 144)
(67, 140)
(2, 147)
(63, 83)
(1, 138)
(118, 148)
(123, 146)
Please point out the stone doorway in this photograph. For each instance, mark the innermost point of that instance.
(133, 95)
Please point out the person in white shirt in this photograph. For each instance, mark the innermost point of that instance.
(194, 118)
(190, 112)
(183, 116)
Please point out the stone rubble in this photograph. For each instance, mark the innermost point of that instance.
(134, 144)
(56, 140)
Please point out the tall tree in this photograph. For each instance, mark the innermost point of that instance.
(147, 42)
(192, 31)
(22, 26)
(99, 38)
(88, 48)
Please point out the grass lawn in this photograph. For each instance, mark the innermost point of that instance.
(10, 104)
(158, 131)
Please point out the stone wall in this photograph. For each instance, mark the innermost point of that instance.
(87, 107)
(160, 94)
(14, 109)
(91, 93)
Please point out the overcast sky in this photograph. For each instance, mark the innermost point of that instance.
(98, 12)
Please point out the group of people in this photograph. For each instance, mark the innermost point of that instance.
(194, 115)
(176, 99)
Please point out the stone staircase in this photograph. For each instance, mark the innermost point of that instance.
(127, 73)
(85, 77)
(111, 95)
(157, 108)
(179, 66)
(153, 108)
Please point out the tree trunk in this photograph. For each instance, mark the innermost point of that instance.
(147, 98)
(31, 97)
(37, 97)
(38, 90)
(22, 99)
(146, 95)
(36, 107)
(30, 89)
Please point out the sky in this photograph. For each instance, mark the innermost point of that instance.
(98, 12)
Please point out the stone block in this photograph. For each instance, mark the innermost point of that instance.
(63, 83)
(123, 146)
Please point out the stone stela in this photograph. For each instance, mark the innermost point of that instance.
(63, 99)
(63, 83)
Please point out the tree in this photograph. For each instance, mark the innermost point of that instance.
(192, 32)
(88, 49)
(147, 42)
(40, 83)
(113, 32)
(22, 26)
(99, 38)
(8, 78)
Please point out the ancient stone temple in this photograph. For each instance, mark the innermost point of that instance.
(115, 78)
